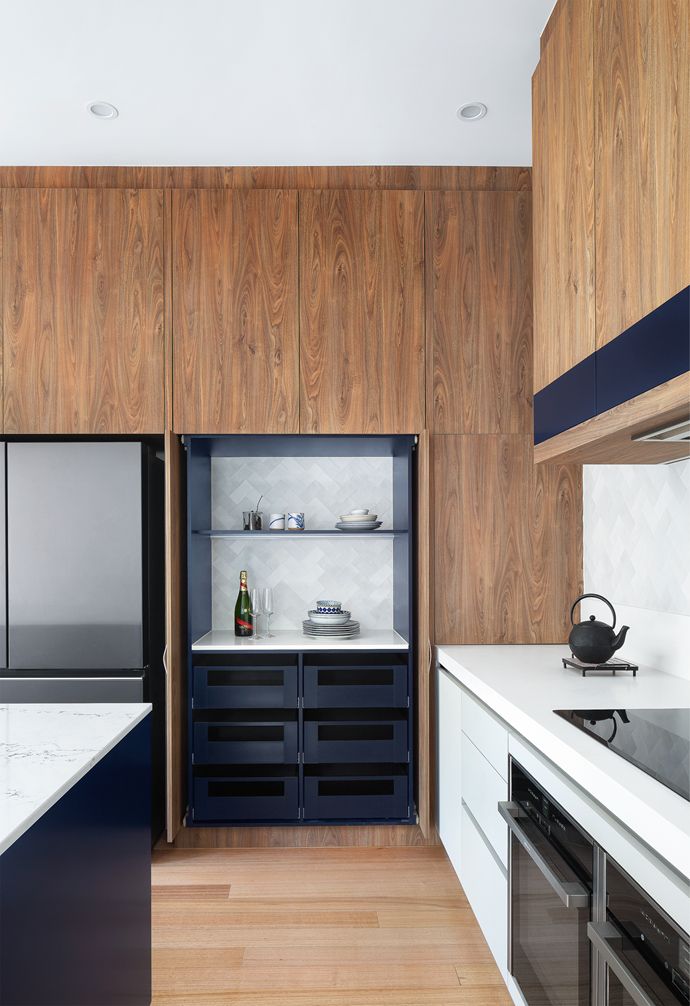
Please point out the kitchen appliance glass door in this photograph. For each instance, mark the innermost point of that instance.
(550, 949)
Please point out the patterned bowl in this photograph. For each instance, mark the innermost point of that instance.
(328, 607)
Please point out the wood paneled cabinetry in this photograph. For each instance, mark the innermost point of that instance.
(83, 311)
(563, 194)
(479, 312)
(235, 313)
(642, 116)
(361, 312)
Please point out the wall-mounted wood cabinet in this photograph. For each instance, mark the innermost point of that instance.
(479, 312)
(611, 188)
(83, 311)
(235, 312)
(361, 312)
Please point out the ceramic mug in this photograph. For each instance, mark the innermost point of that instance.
(295, 522)
(276, 522)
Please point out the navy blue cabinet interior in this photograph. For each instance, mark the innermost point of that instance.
(307, 735)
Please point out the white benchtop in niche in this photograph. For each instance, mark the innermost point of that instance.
(524, 684)
(46, 749)
(294, 641)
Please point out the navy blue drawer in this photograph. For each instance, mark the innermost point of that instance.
(246, 799)
(367, 685)
(355, 797)
(355, 741)
(260, 687)
(243, 743)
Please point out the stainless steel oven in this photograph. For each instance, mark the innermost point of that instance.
(645, 956)
(551, 871)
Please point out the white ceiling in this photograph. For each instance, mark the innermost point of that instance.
(267, 81)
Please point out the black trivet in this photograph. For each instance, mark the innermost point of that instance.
(610, 665)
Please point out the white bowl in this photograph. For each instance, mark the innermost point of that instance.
(319, 618)
(357, 512)
(358, 518)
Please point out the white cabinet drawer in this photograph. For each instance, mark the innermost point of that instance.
(486, 887)
(486, 732)
(449, 764)
(482, 788)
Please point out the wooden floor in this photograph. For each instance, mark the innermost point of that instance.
(316, 927)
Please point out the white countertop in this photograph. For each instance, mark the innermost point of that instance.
(524, 684)
(46, 749)
(294, 640)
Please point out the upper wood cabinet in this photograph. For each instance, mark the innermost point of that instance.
(642, 103)
(83, 306)
(361, 312)
(479, 312)
(563, 193)
(235, 314)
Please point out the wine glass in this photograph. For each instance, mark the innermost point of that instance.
(267, 604)
(256, 610)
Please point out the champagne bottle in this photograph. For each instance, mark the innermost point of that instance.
(244, 619)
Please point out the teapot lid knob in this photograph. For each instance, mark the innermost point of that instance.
(591, 618)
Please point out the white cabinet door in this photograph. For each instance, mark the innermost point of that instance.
(486, 887)
(449, 696)
(482, 789)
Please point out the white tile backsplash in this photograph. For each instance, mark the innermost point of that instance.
(300, 569)
(637, 554)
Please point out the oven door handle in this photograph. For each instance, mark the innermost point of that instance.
(601, 936)
(573, 895)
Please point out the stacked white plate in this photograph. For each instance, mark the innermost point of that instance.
(357, 521)
(345, 631)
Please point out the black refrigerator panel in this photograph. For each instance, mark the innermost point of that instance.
(75, 556)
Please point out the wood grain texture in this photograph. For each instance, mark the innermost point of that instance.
(314, 177)
(478, 261)
(175, 637)
(424, 699)
(508, 541)
(361, 312)
(307, 837)
(235, 315)
(563, 194)
(607, 438)
(328, 927)
(83, 311)
(642, 72)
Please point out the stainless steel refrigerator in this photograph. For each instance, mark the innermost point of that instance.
(82, 575)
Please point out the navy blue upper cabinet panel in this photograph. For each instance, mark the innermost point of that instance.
(566, 402)
(652, 351)
(649, 353)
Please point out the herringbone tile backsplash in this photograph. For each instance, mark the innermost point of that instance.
(300, 569)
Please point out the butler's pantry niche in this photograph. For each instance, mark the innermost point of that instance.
(288, 728)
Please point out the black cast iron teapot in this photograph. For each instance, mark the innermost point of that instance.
(595, 642)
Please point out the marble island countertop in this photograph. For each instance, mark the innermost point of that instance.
(524, 684)
(46, 749)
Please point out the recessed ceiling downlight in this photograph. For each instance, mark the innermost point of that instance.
(102, 110)
(471, 111)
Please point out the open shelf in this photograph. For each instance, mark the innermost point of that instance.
(293, 640)
(326, 533)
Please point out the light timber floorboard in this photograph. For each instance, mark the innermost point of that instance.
(316, 927)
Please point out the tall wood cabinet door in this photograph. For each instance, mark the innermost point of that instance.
(235, 314)
(175, 637)
(507, 541)
(361, 312)
(479, 311)
(563, 194)
(642, 73)
(83, 311)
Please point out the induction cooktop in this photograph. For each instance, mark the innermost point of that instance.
(656, 740)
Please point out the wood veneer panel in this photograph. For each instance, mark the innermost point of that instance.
(175, 638)
(642, 72)
(318, 177)
(307, 837)
(235, 317)
(479, 312)
(361, 312)
(563, 194)
(83, 311)
(508, 542)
